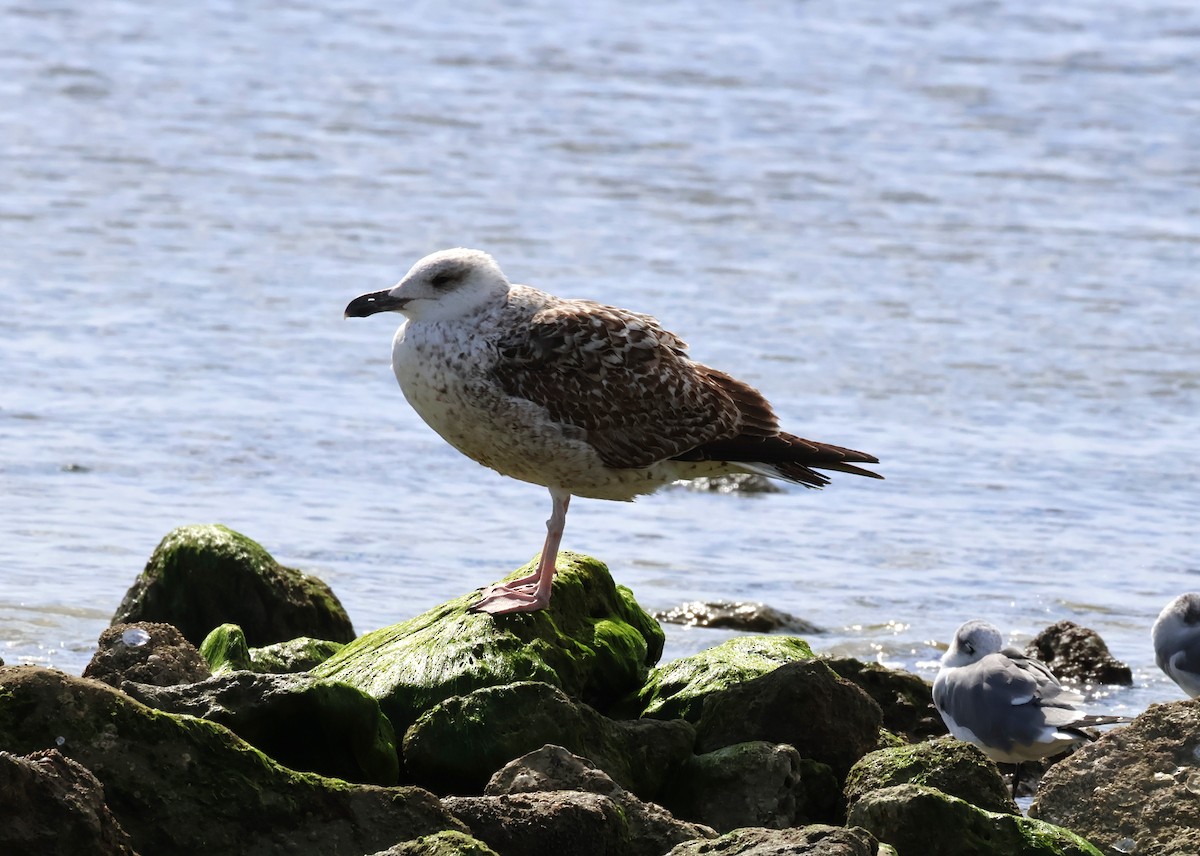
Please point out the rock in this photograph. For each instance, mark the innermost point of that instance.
(190, 787)
(905, 699)
(457, 745)
(814, 840)
(734, 615)
(294, 655)
(200, 577)
(754, 784)
(677, 690)
(916, 819)
(951, 766)
(440, 844)
(146, 652)
(53, 806)
(746, 484)
(804, 704)
(593, 641)
(553, 768)
(304, 723)
(1078, 654)
(226, 650)
(1135, 789)
(562, 822)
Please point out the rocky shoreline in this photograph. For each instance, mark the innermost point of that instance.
(231, 708)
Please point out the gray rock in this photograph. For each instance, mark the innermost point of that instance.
(552, 768)
(754, 784)
(1078, 654)
(200, 577)
(905, 699)
(302, 722)
(919, 820)
(803, 704)
(458, 744)
(53, 806)
(736, 615)
(1135, 790)
(951, 766)
(557, 822)
(147, 652)
(814, 840)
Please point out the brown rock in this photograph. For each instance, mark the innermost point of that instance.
(814, 840)
(1076, 653)
(146, 652)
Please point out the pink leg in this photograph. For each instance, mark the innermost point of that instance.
(531, 593)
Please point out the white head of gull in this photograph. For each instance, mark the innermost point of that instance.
(1009, 705)
(585, 399)
(1176, 639)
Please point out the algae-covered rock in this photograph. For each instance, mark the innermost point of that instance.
(447, 843)
(554, 769)
(905, 699)
(147, 652)
(53, 806)
(753, 784)
(813, 840)
(804, 704)
(1135, 789)
(916, 819)
(951, 766)
(304, 723)
(190, 787)
(225, 650)
(200, 577)
(458, 744)
(677, 690)
(593, 641)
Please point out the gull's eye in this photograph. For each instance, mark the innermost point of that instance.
(970, 648)
(446, 279)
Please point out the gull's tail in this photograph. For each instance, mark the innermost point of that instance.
(784, 456)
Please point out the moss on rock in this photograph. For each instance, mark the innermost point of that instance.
(203, 576)
(917, 819)
(594, 642)
(677, 690)
(951, 766)
(191, 787)
(225, 649)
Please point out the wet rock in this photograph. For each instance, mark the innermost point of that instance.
(200, 577)
(1078, 654)
(225, 650)
(804, 704)
(951, 766)
(754, 784)
(303, 723)
(746, 484)
(736, 615)
(53, 806)
(594, 642)
(440, 844)
(1135, 789)
(916, 819)
(905, 699)
(814, 840)
(147, 652)
(677, 690)
(190, 787)
(457, 745)
(553, 768)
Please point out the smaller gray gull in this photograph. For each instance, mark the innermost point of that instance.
(584, 399)
(1009, 705)
(1176, 638)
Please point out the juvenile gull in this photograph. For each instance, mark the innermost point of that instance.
(582, 398)
(1009, 705)
(1176, 638)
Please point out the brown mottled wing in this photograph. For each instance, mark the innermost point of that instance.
(627, 382)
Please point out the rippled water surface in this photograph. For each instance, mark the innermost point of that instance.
(961, 236)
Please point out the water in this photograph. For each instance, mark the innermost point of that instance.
(961, 236)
